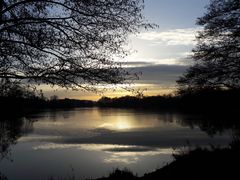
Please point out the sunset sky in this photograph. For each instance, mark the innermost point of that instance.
(161, 54)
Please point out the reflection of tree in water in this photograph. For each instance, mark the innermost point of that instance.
(55, 114)
(2, 177)
(10, 131)
(212, 124)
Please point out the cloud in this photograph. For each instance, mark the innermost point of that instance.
(154, 79)
(137, 63)
(160, 74)
(143, 62)
(171, 37)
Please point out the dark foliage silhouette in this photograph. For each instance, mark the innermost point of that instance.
(201, 163)
(24, 106)
(67, 43)
(20, 99)
(14, 89)
(120, 175)
(216, 54)
(16, 97)
(210, 100)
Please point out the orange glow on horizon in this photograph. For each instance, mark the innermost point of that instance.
(148, 90)
(121, 94)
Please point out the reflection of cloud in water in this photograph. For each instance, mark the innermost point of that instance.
(115, 153)
(121, 159)
(87, 147)
(52, 136)
(37, 138)
(129, 149)
(158, 137)
(50, 146)
(133, 155)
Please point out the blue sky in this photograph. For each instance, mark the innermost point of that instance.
(172, 14)
(162, 54)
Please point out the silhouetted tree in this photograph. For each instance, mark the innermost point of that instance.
(10, 131)
(217, 53)
(15, 90)
(54, 98)
(67, 43)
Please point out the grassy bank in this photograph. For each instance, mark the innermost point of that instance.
(215, 163)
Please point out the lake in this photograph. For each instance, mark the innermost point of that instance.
(91, 142)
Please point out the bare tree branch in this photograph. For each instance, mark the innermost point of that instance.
(67, 43)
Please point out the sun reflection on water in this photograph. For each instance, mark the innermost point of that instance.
(121, 123)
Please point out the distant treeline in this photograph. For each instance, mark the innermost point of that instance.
(19, 105)
(199, 101)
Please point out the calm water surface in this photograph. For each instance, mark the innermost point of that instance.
(91, 142)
